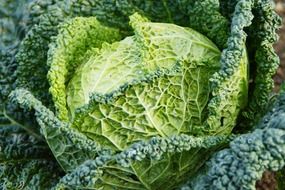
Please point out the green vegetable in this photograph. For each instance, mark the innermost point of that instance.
(135, 94)
(153, 84)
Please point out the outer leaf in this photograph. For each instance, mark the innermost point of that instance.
(25, 162)
(9, 113)
(68, 146)
(157, 164)
(209, 21)
(265, 61)
(233, 75)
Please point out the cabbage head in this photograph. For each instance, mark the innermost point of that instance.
(132, 94)
(144, 98)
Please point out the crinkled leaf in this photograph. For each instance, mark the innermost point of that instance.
(67, 52)
(155, 83)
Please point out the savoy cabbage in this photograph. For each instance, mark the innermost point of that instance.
(137, 94)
